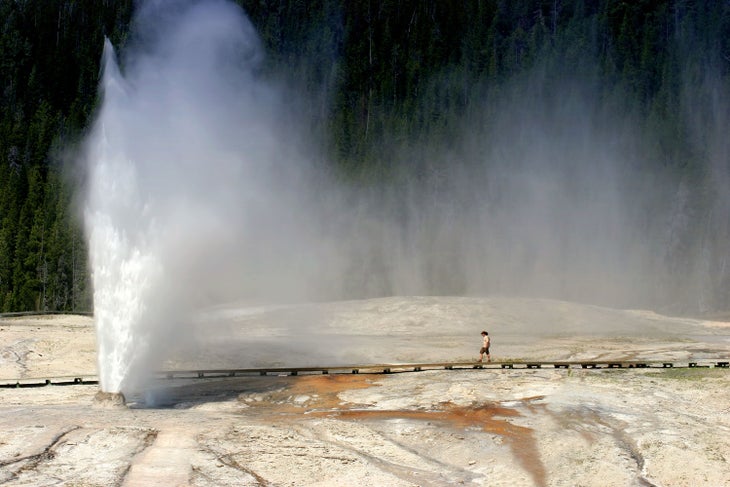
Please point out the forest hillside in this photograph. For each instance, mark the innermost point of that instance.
(609, 117)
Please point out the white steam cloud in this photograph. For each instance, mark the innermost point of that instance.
(203, 188)
(194, 184)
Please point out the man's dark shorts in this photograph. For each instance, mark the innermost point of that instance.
(484, 350)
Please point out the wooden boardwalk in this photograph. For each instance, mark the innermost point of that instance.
(418, 367)
(86, 379)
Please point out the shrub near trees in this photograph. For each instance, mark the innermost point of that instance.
(379, 75)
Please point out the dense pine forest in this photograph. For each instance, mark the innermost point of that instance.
(385, 78)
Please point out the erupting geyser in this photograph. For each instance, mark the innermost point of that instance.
(186, 139)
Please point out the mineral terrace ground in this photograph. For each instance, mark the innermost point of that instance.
(537, 427)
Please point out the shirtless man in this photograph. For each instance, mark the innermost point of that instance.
(485, 347)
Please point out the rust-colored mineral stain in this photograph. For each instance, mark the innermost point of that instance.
(490, 418)
(487, 417)
(325, 388)
(321, 391)
(329, 384)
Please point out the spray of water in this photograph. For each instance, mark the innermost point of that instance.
(190, 157)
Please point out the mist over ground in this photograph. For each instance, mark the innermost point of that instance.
(193, 179)
(207, 184)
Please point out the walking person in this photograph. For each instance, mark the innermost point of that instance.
(485, 347)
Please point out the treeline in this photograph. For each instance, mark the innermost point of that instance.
(399, 69)
(380, 76)
(49, 72)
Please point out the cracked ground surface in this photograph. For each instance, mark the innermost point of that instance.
(470, 427)
(521, 427)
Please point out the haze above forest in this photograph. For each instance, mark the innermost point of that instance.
(565, 149)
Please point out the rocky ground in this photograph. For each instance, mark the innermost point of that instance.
(520, 427)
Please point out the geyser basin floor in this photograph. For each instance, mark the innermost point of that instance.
(571, 426)
(523, 428)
